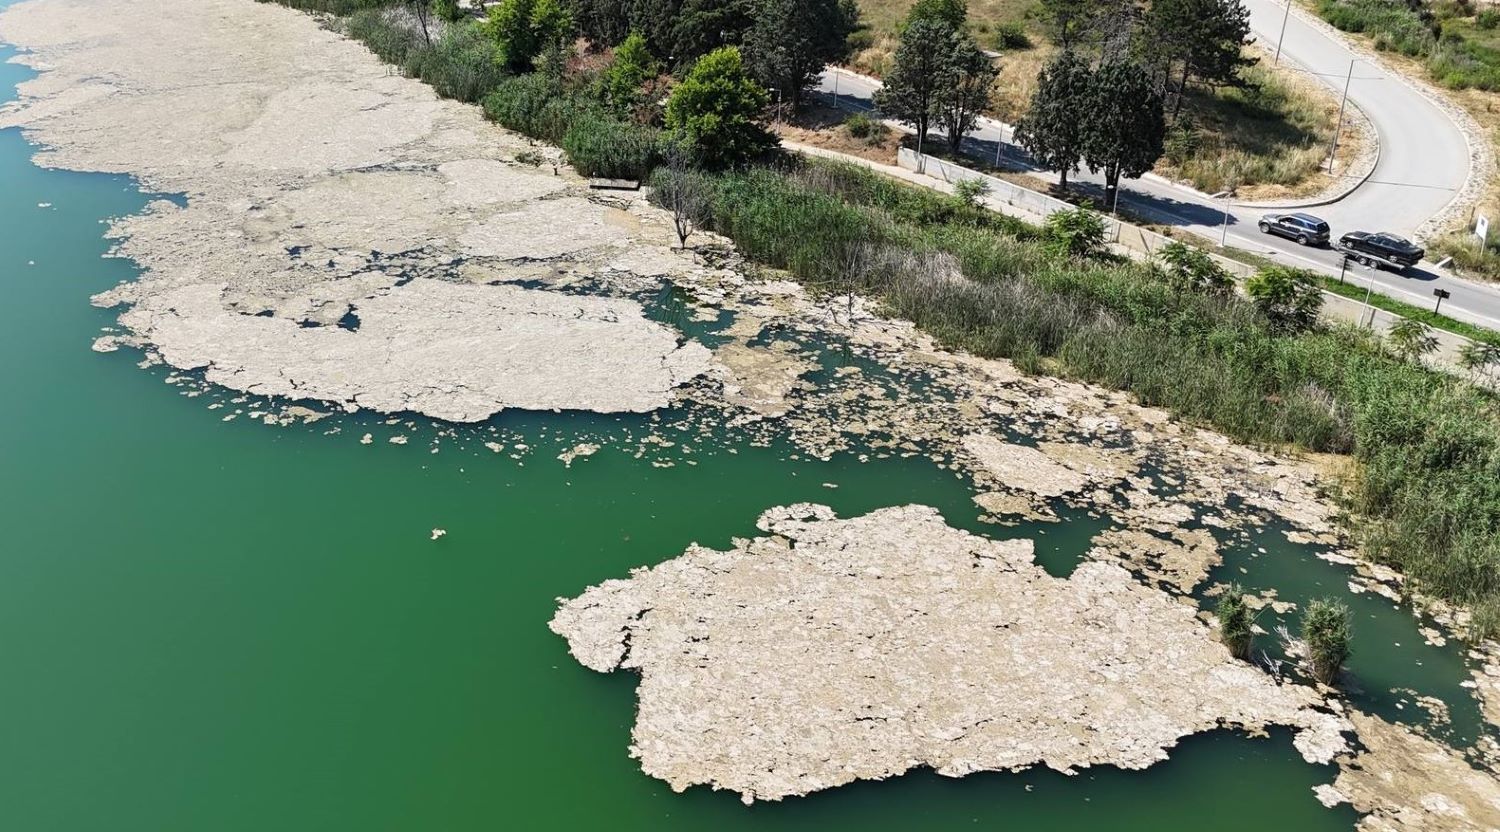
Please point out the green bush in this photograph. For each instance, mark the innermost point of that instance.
(460, 65)
(1326, 629)
(1289, 298)
(1011, 35)
(598, 145)
(1191, 269)
(1076, 232)
(1487, 19)
(861, 126)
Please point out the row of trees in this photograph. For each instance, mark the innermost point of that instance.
(1123, 71)
(939, 74)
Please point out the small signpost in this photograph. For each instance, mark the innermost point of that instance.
(1441, 295)
(1482, 230)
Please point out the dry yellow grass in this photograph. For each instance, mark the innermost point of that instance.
(1269, 144)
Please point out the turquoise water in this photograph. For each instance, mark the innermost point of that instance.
(211, 624)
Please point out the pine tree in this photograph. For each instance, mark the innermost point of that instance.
(966, 89)
(913, 87)
(792, 40)
(705, 25)
(1052, 130)
(955, 13)
(1126, 127)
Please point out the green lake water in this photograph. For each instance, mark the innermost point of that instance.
(220, 625)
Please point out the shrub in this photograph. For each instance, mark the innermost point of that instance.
(460, 65)
(447, 10)
(1411, 339)
(598, 145)
(1011, 35)
(632, 67)
(971, 191)
(1236, 622)
(1289, 298)
(1191, 269)
(1326, 627)
(861, 126)
(1075, 232)
(1487, 19)
(519, 103)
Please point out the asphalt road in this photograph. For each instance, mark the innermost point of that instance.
(1424, 162)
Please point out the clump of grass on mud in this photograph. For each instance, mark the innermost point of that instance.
(1236, 622)
(1326, 630)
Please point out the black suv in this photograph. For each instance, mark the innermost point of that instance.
(1306, 229)
(1392, 250)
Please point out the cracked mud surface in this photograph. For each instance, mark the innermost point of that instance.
(343, 226)
(834, 650)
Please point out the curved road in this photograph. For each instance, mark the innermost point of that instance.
(1424, 163)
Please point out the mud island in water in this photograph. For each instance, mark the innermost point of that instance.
(349, 239)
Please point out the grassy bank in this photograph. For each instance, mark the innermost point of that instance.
(1428, 493)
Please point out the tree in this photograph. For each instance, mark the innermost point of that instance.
(632, 67)
(1289, 298)
(1411, 339)
(717, 110)
(792, 40)
(705, 25)
(965, 91)
(1236, 622)
(1202, 39)
(1190, 269)
(914, 85)
(525, 29)
(1125, 126)
(422, 11)
(602, 21)
(1052, 130)
(447, 10)
(955, 13)
(686, 192)
(656, 19)
(1326, 628)
(1068, 21)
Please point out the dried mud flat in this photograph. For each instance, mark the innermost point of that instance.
(343, 228)
(833, 650)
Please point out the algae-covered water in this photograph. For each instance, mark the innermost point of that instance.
(207, 623)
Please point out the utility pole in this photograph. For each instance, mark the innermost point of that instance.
(1224, 234)
(1370, 323)
(1334, 149)
(836, 85)
(1279, 38)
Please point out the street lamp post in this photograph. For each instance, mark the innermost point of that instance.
(1284, 15)
(1224, 233)
(1339, 128)
(1368, 289)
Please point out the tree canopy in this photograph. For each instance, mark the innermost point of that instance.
(717, 109)
(965, 89)
(914, 85)
(791, 41)
(1125, 126)
(1053, 129)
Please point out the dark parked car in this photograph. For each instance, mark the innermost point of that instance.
(1381, 249)
(1306, 229)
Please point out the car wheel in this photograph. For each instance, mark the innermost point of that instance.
(1265, 228)
(1301, 239)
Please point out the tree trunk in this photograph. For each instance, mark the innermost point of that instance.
(1062, 180)
(1181, 93)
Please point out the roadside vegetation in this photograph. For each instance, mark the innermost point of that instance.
(1261, 129)
(1260, 369)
